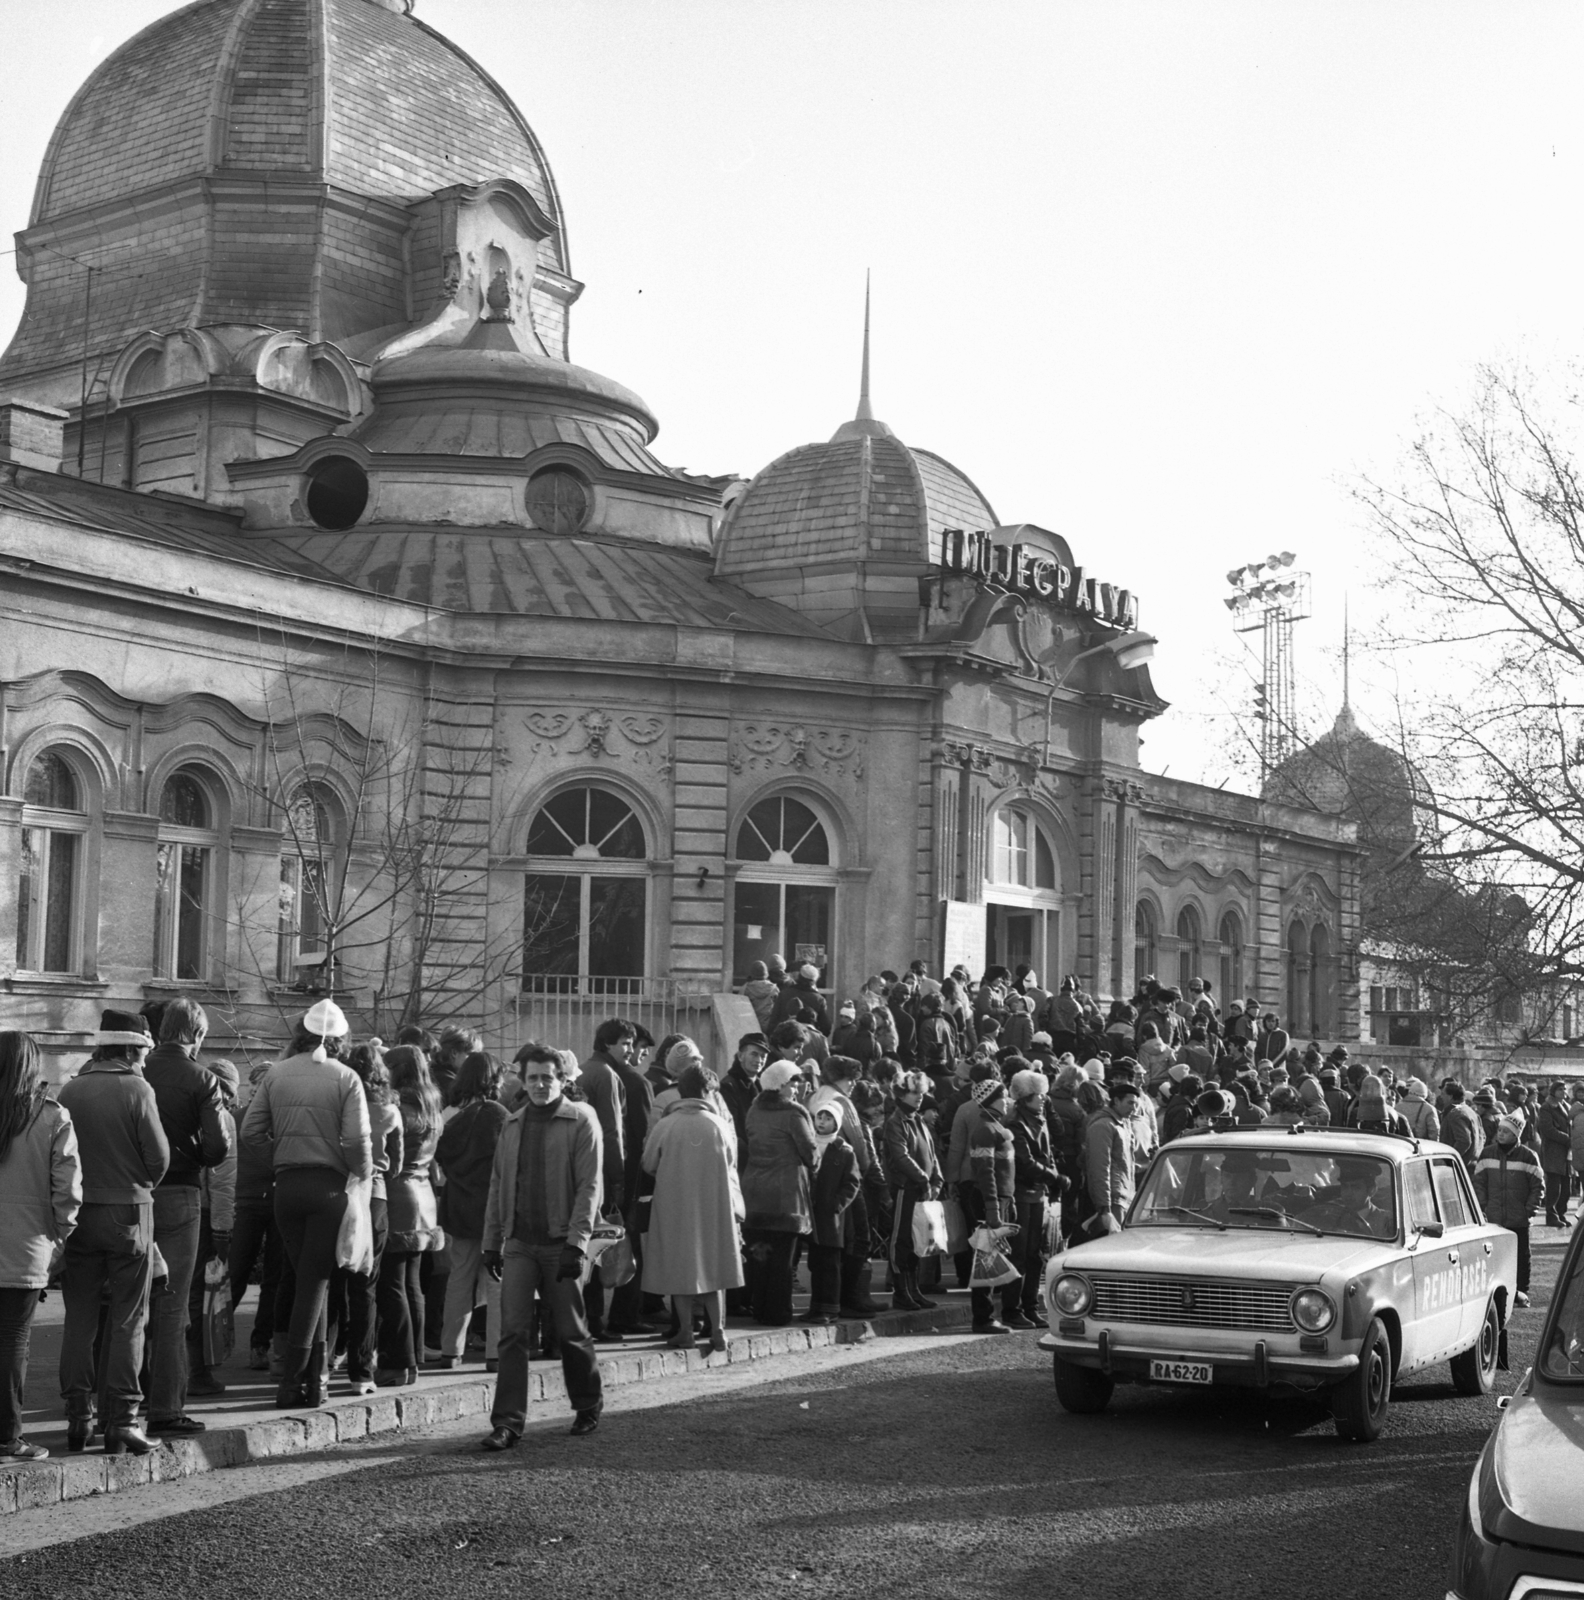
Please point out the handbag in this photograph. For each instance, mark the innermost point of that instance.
(929, 1228)
(355, 1236)
(992, 1267)
(956, 1226)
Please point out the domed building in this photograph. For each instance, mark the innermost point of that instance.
(356, 640)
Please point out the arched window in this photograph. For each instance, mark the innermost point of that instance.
(1320, 981)
(586, 896)
(1297, 1018)
(1231, 958)
(1190, 956)
(1022, 908)
(49, 890)
(1146, 933)
(188, 843)
(310, 884)
(784, 902)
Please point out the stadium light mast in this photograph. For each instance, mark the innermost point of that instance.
(1269, 597)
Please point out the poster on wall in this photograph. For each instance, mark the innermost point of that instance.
(964, 938)
(812, 954)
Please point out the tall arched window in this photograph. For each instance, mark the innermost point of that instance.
(1297, 1018)
(784, 902)
(1320, 981)
(188, 843)
(49, 890)
(586, 896)
(1022, 906)
(1190, 954)
(1146, 934)
(1231, 958)
(309, 884)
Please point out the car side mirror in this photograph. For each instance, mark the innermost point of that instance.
(1432, 1230)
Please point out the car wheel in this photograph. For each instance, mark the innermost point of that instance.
(1082, 1389)
(1359, 1402)
(1474, 1371)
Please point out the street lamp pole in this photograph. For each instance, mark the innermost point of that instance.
(1130, 650)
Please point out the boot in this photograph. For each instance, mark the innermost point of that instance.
(901, 1300)
(314, 1378)
(856, 1276)
(277, 1355)
(121, 1437)
(79, 1430)
(910, 1286)
(290, 1395)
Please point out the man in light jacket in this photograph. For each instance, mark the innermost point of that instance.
(1108, 1157)
(544, 1197)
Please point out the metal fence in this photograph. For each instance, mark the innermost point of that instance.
(562, 1010)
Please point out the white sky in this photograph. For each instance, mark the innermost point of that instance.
(1163, 277)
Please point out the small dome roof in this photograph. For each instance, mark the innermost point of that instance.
(1347, 773)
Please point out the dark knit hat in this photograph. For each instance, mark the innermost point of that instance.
(123, 1027)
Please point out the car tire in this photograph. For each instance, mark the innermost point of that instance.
(1081, 1389)
(1474, 1371)
(1360, 1401)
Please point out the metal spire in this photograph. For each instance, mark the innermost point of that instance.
(1346, 643)
(864, 413)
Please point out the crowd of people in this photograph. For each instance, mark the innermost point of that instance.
(397, 1205)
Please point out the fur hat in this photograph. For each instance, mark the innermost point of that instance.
(778, 1074)
(123, 1027)
(1027, 1084)
(808, 971)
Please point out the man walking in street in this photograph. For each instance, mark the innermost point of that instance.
(1556, 1135)
(1508, 1186)
(109, 1260)
(544, 1197)
(192, 1113)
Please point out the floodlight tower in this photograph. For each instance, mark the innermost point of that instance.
(1270, 597)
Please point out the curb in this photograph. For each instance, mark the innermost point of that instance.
(34, 1486)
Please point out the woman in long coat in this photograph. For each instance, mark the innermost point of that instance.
(692, 1248)
(775, 1186)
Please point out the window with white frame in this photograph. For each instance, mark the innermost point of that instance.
(308, 882)
(586, 895)
(784, 899)
(54, 845)
(186, 863)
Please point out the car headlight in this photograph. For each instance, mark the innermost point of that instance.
(1313, 1310)
(1072, 1295)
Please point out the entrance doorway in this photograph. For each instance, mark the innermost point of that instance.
(1015, 934)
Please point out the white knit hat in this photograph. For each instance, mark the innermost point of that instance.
(778, 1074)
(327, 1019)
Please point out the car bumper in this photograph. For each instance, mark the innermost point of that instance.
(1254, 1364)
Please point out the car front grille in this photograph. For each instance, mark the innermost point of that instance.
(1192, 1302)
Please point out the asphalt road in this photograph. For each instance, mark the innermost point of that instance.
(907, 1469)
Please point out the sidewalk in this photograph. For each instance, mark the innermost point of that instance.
(243, 1424)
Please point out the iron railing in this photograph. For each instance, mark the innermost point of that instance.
(562, 1009)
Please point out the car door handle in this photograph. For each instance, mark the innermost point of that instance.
(1452, 1255)
(1487, 1247)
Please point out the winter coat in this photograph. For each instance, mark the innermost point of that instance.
(637, 1102)
(1508, 1184)
(313, 1114)
(466, 1155)
(1017, 1032)
(120, 1141)
(762, 994)
(188, 1097)
(1177, 1119)
(1157, 1059)
(1556, 1131)
(797, 995)
(1034, 1171)
(409, 1195)
(775, 1178)
(218, 1184)
(831, 1198)
(1578, 1134)
(692, 1246)
(1066, 1120)
(992, 1166)
(910, 1161)
(1416, 1110)
(1108, 1160)
(739, 1091)
(935, 1045)
(389, 1144)
(40, 1193)
(1337, 1103)
(572, 1185)
(963, 1112)
(1460, 1128)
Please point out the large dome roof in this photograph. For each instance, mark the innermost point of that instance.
(337, 113)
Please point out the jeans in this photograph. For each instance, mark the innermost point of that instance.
(1556, 1195)
(400, 1298)
(525, 1270)
(771, 1251)
(309, 1205)
(253, 1231)
(16, 1323)
(1028, 1251)
(353, 1299)
(469, 1285)
(176, 1224)
(108, 1256)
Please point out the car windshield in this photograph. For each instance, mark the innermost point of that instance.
(1563, 1357)
(1302, 1191)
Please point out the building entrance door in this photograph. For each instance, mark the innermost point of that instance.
(1018, 934)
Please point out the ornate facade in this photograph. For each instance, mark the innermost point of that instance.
(352, 637)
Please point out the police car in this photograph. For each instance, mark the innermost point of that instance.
(1290, 1259)
(1522, 1528)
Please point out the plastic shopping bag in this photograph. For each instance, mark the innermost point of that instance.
(929, 1228)
(991, 1265)
(355, 1238)
(956, 1227)
(606, 1237)
(219, 1331)
(617, 1264)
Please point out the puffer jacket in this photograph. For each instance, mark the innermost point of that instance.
(313, 1114)
(1508, 1184)
(1108, 1159)
(992, 1166)
(40, 1194)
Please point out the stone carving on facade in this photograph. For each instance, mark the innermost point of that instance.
(1311, 904)
(498, 298)
(600, 736)
(766, 746)
(1123, 790)
(451, 275)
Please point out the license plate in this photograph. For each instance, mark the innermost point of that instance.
(1181, 1371)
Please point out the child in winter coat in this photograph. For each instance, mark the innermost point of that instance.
(834, 1189)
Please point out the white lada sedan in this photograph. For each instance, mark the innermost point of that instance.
(1291, 1259)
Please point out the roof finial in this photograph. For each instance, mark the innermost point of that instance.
(864, 413)
(1346, 642)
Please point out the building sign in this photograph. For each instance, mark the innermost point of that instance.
(1027, 570)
